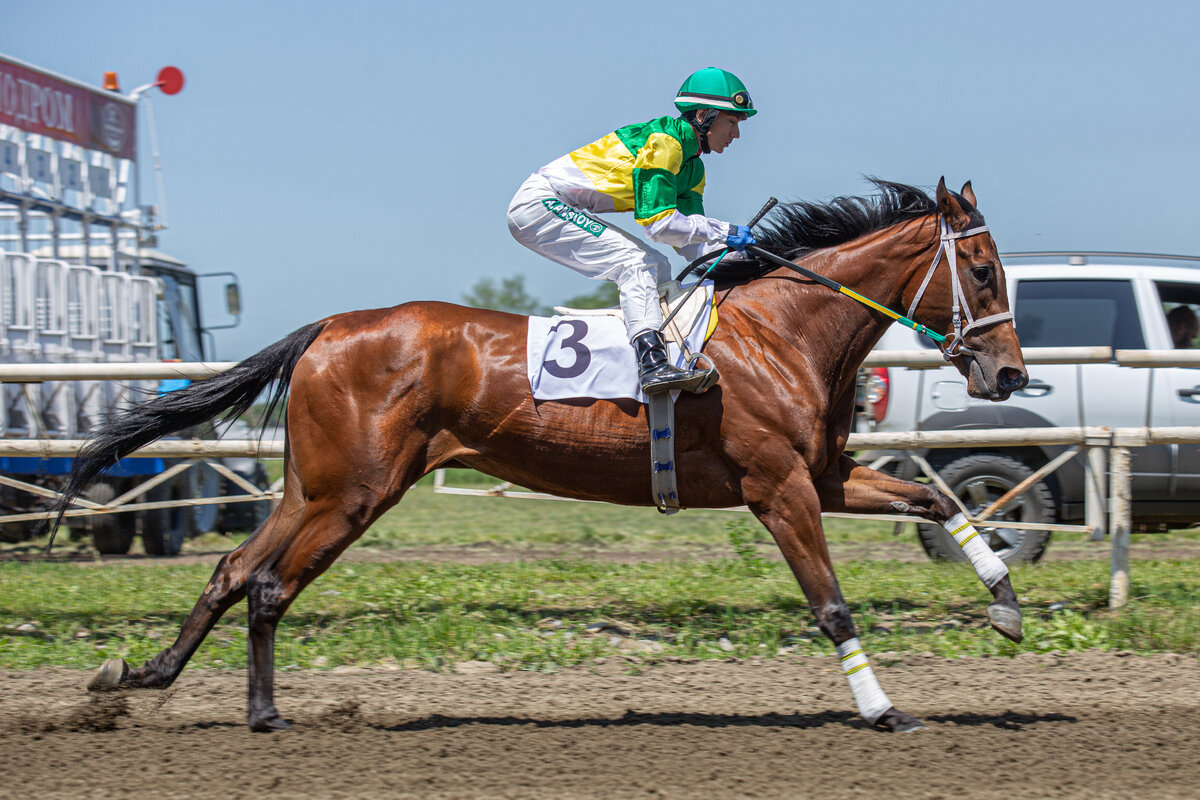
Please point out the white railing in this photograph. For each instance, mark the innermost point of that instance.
(931, 359)
(116, 371)
(1092, 440)
(195, 451)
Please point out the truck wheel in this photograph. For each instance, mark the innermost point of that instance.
(164, 529)
(978, 480)
(112, 534)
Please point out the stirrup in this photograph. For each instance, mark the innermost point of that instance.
(666, 378)
(711, 376)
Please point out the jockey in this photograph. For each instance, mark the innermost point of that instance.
(654, 170)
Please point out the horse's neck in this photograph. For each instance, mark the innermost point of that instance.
(886, 267)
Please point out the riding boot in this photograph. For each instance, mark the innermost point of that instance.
(656, 373)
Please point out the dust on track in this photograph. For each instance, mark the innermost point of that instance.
(1094, 725)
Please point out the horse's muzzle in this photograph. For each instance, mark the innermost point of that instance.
(988, 382)
(1011, 379)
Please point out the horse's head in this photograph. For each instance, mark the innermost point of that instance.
(969, 300)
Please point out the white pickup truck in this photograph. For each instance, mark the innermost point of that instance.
(1119, 300)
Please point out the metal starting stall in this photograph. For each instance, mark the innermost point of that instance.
(82, 283)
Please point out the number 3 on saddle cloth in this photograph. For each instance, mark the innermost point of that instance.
(585, 353)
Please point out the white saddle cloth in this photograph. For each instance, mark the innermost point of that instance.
(586, 353)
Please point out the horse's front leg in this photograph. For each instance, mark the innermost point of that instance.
(791, 512)
(852, 488)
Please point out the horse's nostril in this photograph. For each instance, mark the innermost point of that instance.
(1012, 379)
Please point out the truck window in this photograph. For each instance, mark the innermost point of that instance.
(1181, 304)
(1074, 313)
(168, 350)
(179, 332)
(189, 336)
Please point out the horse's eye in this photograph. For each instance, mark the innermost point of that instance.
(982, 272)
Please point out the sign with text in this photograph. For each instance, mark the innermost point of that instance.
(40, 102)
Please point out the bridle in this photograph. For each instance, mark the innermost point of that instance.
(954, 345)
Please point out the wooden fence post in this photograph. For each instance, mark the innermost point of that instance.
(1120, 520)
(1095, 492)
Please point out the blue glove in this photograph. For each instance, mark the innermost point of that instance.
(740, 239)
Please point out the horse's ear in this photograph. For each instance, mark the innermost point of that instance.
(969, 194)
(950, 208)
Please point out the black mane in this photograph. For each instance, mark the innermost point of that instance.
(798, 228)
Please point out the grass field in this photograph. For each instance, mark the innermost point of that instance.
(548, 613)
(719, 595)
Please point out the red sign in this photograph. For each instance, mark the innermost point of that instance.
(170, 80)
(39, 102)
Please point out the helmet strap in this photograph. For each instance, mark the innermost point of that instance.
(702, 124)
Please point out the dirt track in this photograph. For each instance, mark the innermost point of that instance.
(1092, 725)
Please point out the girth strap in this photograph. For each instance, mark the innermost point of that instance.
(663, 482)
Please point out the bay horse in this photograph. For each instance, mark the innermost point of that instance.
(376, 399)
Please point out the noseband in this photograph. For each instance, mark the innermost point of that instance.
(954, 345)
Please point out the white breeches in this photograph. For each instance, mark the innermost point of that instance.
(576, 239)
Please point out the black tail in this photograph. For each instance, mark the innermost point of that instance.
(229, 394)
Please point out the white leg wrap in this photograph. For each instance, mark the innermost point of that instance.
(872, 702)
(987, 564)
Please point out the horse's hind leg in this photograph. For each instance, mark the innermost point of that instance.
(225, 588)
(852, 488)
(791, 511)
(325, 530)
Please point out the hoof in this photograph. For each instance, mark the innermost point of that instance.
(898, 722)
(268, 721)
(1007, 620)
(108, 678)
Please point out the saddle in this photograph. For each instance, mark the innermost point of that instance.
(661, 407)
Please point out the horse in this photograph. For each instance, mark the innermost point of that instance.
(376, 399)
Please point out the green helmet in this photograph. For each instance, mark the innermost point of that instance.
(714, 88)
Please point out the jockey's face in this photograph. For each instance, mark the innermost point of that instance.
(724, 130)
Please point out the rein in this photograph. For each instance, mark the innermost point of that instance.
(959, 301)
(837, 287)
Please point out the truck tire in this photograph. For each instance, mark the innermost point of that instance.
(164, 529)
(112, 534)
(978, 480)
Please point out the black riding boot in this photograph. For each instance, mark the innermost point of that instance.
(656, 373)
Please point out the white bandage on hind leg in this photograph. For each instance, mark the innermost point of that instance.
(987, 564)
(872, 702)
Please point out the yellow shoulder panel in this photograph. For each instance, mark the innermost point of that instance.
(660, 152)
(608, 164)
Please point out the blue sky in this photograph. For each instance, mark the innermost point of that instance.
(362, 154)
